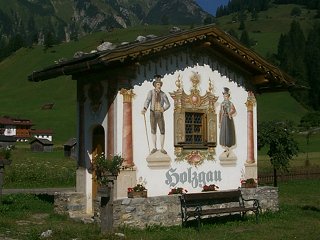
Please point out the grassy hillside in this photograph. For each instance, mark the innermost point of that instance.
(23, 99)
(267, 29)
(20, 98)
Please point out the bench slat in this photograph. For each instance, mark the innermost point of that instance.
(220, 211)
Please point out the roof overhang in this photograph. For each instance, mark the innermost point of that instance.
(264, 76)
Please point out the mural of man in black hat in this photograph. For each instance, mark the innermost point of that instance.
(159, 103)
(226, 124)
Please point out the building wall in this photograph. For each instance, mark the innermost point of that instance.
(10, 130)
(159, 181)
(48, 137)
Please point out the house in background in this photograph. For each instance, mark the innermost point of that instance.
(41, 145)
(42, 134)
(70, 148)
(21, 129)
(17, 127)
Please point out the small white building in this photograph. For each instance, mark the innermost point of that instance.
(42, 134)
(207, 104)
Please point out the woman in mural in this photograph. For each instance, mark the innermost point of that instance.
(226, 124)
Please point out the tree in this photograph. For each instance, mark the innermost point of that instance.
(244, 38)
(278, 138)
(312, 61)
(242, 26)
(291, 55)
(296, 12)
(48, 40)
(310, 124)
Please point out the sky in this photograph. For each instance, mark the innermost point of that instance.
(211, 6)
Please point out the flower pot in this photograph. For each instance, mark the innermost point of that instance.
(249, 185)
(141, 194)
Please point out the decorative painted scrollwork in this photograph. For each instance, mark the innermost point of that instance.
(194, 103)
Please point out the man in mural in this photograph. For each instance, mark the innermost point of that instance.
(159, 103)
(226, 124)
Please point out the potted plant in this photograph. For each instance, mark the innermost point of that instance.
(248, 183)
(106, 169)
(211, 187)
(177, 190)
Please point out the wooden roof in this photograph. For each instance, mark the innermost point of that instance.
(6, 120)
(44, 142)
(264, 76)
(41, 131)
(71, 142)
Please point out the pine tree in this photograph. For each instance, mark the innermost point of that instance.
(244, 38)
(291, 52)
(312, 60)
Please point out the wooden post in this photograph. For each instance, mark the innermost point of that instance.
(1, 180)
(106, 210)
(3, 162)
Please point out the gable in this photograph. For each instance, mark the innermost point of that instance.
(207, 42)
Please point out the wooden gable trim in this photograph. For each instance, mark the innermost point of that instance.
(207, 36)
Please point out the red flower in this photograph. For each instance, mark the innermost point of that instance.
(211, 187)
(178, 190)
(130, 189)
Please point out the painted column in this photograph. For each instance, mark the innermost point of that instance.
(250, 135)
(110, 127)
(127, 147)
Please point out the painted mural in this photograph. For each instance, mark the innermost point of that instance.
(226, 124)
(159, 103)
(197, 153)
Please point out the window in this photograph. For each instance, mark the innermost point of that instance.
(195, 129)
(195, 122)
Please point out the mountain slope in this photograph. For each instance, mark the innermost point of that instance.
(174, 12)
(70, 19)
(20, 98)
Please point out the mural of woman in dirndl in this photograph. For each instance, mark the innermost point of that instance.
(227, 136)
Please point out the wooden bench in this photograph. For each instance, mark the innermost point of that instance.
(197, 205)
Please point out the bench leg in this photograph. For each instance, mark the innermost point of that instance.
(257, 215)
(198, 217)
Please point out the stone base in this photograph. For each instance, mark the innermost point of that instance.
(228, 158)
(81, 179)
(127, 178)
(251, 171)
(159, 160)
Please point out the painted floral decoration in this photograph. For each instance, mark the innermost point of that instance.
(211, 187)
(177, 190)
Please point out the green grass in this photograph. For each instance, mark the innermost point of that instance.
(279, 106)
(308, 152)
(270, 24)
(26, 217)
(39, 169)
(23, 99)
